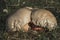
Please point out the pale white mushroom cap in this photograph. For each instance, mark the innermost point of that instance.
(5, 10)
(44, 18)
(19, 19)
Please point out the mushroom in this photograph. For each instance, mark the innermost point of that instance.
(44, 19)
(19, 20)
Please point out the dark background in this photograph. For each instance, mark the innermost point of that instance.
(12, 5)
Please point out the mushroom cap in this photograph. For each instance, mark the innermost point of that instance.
(44, 18)
(19, 19)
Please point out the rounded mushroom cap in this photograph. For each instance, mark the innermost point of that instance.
(19, 19)
(44, 18)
